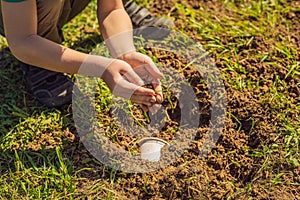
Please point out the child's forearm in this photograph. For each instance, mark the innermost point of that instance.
(112, 18)
(41, 52)
(116, 28)
(20, 23)
(115, 22)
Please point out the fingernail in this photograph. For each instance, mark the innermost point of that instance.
(152, 93)
(153, 99)
(141, 83)
(159, 98)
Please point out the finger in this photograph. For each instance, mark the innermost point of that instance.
(144, 91)
(133, 77)
(149, 65)
(145, 100)
(136, 93)
(152, 68)
(158, 92)
(125, 89)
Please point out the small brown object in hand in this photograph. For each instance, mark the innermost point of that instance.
(149, 86)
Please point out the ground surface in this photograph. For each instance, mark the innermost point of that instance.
(255, 46)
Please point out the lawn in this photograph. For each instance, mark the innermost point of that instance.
(255, 46)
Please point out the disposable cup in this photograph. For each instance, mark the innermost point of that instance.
(151, 147)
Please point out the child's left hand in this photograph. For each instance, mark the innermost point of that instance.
(147, 71)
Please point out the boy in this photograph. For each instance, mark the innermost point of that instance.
(33, 31)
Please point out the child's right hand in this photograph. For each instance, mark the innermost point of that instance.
(124, 82)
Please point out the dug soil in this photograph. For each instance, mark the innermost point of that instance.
(233, 169)
(236, 167)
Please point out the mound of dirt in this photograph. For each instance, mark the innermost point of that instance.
(236, 167)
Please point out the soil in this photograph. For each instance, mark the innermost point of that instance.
(249, 125)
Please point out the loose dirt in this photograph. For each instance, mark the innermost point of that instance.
(250, 124)
(234, 167)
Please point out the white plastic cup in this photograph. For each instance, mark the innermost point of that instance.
(150, 148)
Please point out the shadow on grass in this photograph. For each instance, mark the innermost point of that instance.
(15, 102)
(25, 121)
(88, 44)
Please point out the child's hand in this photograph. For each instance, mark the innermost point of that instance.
(124, 82)
(146, 70)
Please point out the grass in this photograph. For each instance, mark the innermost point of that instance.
(54, 172)
(36, 175)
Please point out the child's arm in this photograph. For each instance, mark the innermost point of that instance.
(116, 28)
(20, 24)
